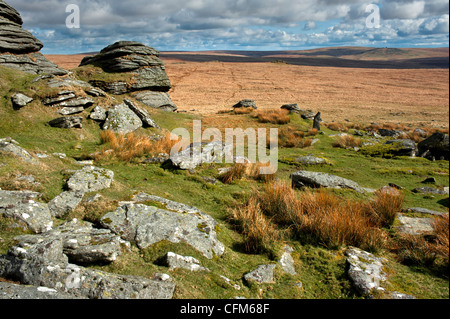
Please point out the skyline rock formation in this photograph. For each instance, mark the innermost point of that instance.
(19, 49)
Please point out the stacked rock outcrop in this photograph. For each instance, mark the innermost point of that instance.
(142, 73)
(19, 49)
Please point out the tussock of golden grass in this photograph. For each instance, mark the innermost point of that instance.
(291, 138)
(258, 231)
(441, 227)
(336, 127)
(347, 141)
(130, 146)
(253, 171)
(385, 207)
(243, 110)
(319, 217)
(273, 116)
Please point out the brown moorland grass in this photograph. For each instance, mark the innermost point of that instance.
(323, 218)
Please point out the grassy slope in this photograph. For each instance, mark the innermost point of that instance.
(321, 271)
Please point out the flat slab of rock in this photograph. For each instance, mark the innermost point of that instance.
(415, 226)
(9, 146)
(148, 225)
(287, 262)
(20, 100)
(262, 275)
(199, 153)
(365, 271)
(156, 100)
(9, 291)
(429, 190)
(146, 119)
(90, 179)
(317, 180)
(64, 203)
(421, 210)
(67, 122)
(22, 206)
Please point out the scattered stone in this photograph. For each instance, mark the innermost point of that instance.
(435, 147)
(316, 180)
(292, 108)
(311, 160)
(262, 275)
(20, 100)
(67, 122)
(365, 271)
(390, 133)
(71, 110)
(398, 295)
(228, 281)
(420, 132)
(65, 203)
(8, 145)
(429, 180)
(156, 100)
(22, 206)
(161, 158)
(60, 155)
(90, 179)
(429, 190)
(317, 121)
(121, 119)
(414, 226)
(287, 262)
(174, 261)
(246, 104)
(98, 114)
(147, 225)
(199, 153)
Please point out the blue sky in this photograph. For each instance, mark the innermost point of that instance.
(196, 25)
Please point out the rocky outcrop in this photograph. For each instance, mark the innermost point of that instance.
(198, 153)
(317, 180)
(245, 104)
(144, 68)
(8, 145)
(19, 49)
(148, 225)
(45, 264)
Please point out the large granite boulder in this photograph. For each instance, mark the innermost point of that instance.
(435, 147)
(148, 225)
(121, 119)
(141, 61)
(19, 49)
(90, 179)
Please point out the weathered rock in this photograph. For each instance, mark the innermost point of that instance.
(82, 243)
(147, 121)
(65, 202)
(311, 160)
(90, 179)
(307, 114)
(414, 226)
(317, 121)
(156, 100)
(287, 262)
(263, 274)
(365, 271)
(421, 210)
(390, 133)
(435, 147)
(14, 39)
(293, 108)
(6, 145)
(13, 291)
(44, 264)
(174, 261)
(246, 104)
(404, 147)
(98, 114)
(34, 63)
(71, 110)
(147, 225)
(317, 180)
(121, 119)
(22, 206)
(135, 58)
(429, 190)
(20, 100)
(199, 153)
(67, 122)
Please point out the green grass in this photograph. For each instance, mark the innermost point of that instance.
(321, 271)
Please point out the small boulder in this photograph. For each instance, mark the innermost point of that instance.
(317, 179)
(64, 203)
(246, 104)
(404, 147)
(90, 179)
(262, 275)
(175, 261)
(20, 100)
(121, 119)
(435, 147)
(67, 122)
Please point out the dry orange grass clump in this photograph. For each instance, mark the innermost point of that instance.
(347, 141)
(320, 217)
(273, 116)
(130, 146)
(290, 137)
(249, 170)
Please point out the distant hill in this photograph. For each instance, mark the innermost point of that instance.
(356, 57)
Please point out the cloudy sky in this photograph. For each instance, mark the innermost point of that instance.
(195, 25)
